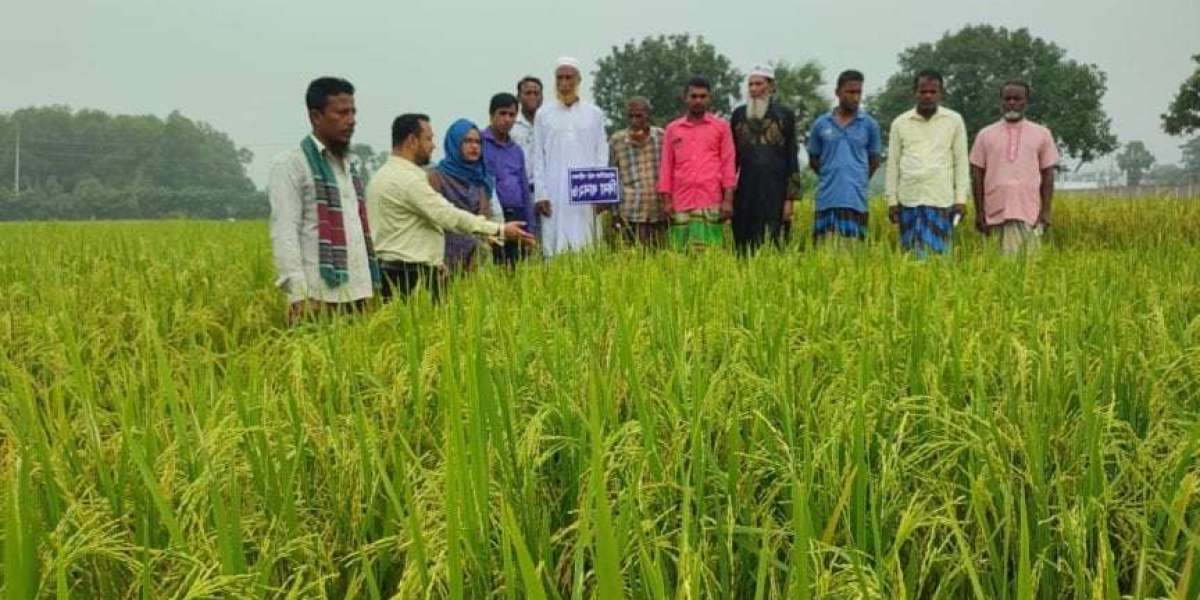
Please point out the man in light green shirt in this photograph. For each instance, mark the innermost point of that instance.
(409, 217)
(928, 173)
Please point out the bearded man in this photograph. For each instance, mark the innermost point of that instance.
(1012, 172)
(568, 133)
(764, 134)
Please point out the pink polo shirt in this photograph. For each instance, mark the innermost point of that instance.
(1013, 155)
(697, 162)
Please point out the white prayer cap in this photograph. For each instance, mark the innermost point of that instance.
(567, 61)
(762, 71)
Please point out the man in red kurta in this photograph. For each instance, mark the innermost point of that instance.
(696, 173)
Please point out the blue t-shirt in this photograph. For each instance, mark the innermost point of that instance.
(844, 154)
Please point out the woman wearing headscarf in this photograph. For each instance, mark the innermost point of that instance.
(463, 178)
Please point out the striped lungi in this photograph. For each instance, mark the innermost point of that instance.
(696, 229)
(843, 222)
(925, 229)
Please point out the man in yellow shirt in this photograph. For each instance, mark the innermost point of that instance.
(928, 174)
(409, 217)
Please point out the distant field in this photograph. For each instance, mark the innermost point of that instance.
(805, 424)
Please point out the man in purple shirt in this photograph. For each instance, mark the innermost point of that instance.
(506, 162)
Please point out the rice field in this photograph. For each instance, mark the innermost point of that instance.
(804, 424)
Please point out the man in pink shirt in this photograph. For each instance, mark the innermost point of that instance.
(696, 175)
(1012, 174)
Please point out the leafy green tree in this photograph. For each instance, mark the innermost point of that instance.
(193, 154)
(71, 146)
(658, 67)
(978, 59)
(1183, 114)
(1135, 160)
(88, 164)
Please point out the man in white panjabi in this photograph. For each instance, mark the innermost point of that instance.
(568, 133)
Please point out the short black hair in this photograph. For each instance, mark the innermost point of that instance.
(406, 126)
(1018, 83)
(529, 79)
(847, 76)
(501, 100)
(697, 81)
(321, 88)
(929, 74)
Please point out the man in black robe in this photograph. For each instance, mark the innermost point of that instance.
(764, 134)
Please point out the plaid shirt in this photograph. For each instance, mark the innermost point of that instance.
(638, 168)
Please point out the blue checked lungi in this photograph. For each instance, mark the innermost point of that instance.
(925, 229)
(844, 222)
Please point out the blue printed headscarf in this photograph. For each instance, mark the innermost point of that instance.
(455, 165)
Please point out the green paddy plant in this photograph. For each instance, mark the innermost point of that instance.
(806, 423)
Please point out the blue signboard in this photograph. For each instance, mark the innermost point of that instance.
(594, 185)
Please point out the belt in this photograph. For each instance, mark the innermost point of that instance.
(399, 265)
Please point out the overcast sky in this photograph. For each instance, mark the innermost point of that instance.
(242, 65)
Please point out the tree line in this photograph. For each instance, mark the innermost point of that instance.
(1067, 96)
(81, 164)
(88, 164)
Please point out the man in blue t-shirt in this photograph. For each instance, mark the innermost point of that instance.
(843, 150)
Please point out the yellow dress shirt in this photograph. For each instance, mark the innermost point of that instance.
(927, 160)
(408, 216)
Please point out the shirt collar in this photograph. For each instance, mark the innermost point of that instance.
(708, 119)
(650, 135)
(404, 162)
(913, 114)
(320, 145)
(859, 114)
(350, 159)
(490, 136)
